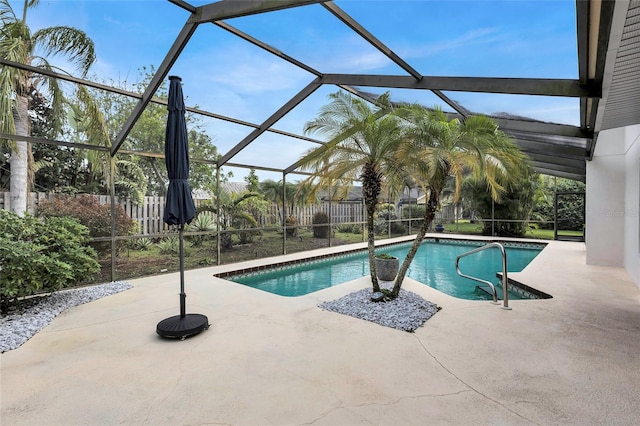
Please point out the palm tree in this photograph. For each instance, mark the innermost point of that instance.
(233, 211)
(362, 142)
(438, 148)
(272, 192)
(18, 44)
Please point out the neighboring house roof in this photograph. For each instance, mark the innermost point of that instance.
(232, 187)
(200, 194)
(354, 194)
(411, 195)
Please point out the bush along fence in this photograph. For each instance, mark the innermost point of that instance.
(148, 214)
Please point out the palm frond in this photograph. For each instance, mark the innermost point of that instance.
(131, 177)
(473, 147)
(70, 42)
(36, 166)
(7, 123)
(93, 126)
(7, 15)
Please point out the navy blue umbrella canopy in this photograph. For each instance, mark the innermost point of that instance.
(179, 208)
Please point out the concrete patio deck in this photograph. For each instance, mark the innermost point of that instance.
(271, 360)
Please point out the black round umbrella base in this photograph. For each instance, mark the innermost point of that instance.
(182, 327)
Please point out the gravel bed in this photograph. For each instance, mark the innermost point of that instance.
(20, 325)
(407, 312)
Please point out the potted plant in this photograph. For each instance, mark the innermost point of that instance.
(386, 266)
(439, 227)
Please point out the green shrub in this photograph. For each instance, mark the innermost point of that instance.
(570, 213)
(89, 212)
(413, 211)
(345, 228)
(142, 244)
(387, 212)
(171, 245)
(350, 228)
(384, 256)
(243, 221)
(291, 223)
(42, 255)
(226, 240)
(204, 222)
(320, 230)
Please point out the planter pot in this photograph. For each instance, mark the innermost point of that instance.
(439, 228)
(387, 269)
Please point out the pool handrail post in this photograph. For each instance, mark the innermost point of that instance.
(218, 220)
(505, 279)
(284, 212)
(505, 293)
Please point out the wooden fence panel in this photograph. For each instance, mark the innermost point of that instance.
(33, 200)
(339, 213)
(5, 201)
(148, 215)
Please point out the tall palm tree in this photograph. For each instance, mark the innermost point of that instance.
(19, 44)
(362, 142)
(438, 148)
(296, 195)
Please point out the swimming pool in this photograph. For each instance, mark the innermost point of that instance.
(433, 265)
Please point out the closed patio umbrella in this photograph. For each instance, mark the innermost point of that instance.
(179, 208)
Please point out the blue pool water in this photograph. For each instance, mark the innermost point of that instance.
(433, 265)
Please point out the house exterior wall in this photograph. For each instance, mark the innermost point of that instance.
(613, 201)
(632, 205)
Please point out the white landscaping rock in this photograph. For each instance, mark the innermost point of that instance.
(16, 328)
(407, 312)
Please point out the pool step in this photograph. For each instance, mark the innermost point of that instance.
(486, 289)
(525, 291)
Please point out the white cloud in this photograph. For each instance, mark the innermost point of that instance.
(364, 62)
(478, 36)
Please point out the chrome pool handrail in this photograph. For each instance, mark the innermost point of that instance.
(505, 296)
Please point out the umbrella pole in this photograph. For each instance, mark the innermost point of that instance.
(183, 296)
(183, 325)
(179, 208)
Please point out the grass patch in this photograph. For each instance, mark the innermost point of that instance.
(467, 228)
(131, 263)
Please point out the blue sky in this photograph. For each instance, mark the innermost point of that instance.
(228, 76)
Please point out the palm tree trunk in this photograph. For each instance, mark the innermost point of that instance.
(371, 246)
(371, 184)
(429, 215)
(20, 159)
